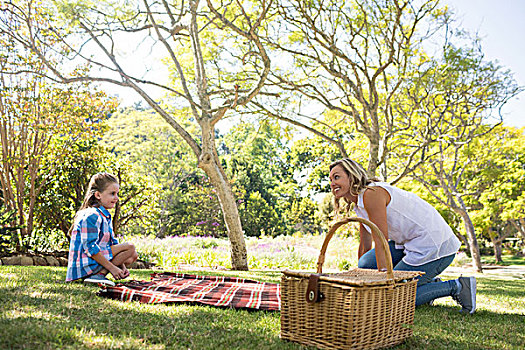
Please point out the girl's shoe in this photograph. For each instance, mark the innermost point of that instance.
(99, 279)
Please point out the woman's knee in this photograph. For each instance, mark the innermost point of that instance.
(368, 260)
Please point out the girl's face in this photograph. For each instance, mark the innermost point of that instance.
(339, 182)
(109, 197)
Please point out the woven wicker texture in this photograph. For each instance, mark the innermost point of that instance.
(359, 277)
(359, 309)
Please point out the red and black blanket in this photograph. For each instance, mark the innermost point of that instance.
(221, 291)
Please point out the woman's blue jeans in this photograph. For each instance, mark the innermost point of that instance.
(427, 290)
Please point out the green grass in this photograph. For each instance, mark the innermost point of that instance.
(508, 259)
(38, 310)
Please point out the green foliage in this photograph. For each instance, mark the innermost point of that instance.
(63, 193)
(269, 198)
(135, 211)
(44, 240)
(143, 138)
(8, 231)
(258, 162)
(65, 183)
(496, 173)
(312, 155)
(194, 210)
(157, 157)
(304, 215)
(40, 122)
(259, 218)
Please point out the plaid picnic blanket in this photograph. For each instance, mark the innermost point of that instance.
(221, 291)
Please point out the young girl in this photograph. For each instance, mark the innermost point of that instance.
(94, 251)
(420, 239)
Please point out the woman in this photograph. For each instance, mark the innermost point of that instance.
(419, 238)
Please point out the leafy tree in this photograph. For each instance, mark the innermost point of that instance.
(194, 210)
(497, 179)
(461, 93)
(136, 210)
(455, 96)
(256, 156)
(353, 58)
(96, 31)
(33, 116)
(158, 153)
(62, 194)
(8, 231)
(312, 155)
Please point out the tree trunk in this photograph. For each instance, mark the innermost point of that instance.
(496, 245)
(116, 219)
(20, 247)
(464, 239)
(497, 250)
(519, 225)
(471, 237)
(209, 162)
(373, 154)
(522, 231)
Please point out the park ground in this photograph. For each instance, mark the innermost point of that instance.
(38, 310)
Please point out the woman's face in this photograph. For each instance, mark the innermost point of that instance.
(339, 182)
(109, 197)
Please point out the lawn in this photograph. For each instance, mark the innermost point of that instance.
(38, 310)
(508, 259)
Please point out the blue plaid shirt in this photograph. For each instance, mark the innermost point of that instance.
(92, 233)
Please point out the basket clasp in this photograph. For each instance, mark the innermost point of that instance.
(312, 291)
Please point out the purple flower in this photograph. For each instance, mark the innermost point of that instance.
(200, 223)
(215, 224)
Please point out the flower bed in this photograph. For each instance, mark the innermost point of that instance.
(291, 252)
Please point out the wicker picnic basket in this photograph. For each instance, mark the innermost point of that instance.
(357, 309)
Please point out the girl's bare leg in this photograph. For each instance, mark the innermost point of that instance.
(124, 254)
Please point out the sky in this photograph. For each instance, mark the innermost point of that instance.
(501, 26)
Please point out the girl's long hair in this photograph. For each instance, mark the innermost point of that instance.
(358, 177)
(98, 182)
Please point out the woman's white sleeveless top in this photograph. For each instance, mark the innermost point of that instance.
(415, 226)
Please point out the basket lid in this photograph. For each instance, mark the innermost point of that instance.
(360, 277)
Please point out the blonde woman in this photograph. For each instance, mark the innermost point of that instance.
(419, 238)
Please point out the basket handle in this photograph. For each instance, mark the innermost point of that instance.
(375, 230)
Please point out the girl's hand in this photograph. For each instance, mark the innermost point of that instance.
(118, 274)
(125, 270)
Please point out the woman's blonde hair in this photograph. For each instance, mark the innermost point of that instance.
(358, 177)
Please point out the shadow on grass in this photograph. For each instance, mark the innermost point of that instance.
(502, 288)
(508, 259)
(39, 310)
